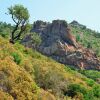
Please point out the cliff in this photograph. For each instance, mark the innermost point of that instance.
(59, 43)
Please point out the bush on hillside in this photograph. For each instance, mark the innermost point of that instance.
(96, 91)
(36, 39)
(51, 80)
(78, 38)
(90, 82)
(91, 74)
(75, 89)
(16, 57)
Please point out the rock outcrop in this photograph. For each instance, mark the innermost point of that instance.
(61, 45)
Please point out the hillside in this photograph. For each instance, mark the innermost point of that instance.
(26, 74)
(64, 43)
(53, 60)
(85, 36)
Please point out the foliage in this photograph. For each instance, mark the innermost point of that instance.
(90, 82)
(76, 89)
(89, 45)
(36, 39)
(91, 74)
(73, 89)
(5, 96)
(96, 91)
(16, 57)
(5, 29)
(20, 16)
(51, 80)
(86, 37)
(28, 28)
(78, 38)
(18, 13)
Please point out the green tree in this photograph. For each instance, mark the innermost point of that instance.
(36, 39)
(20, 16)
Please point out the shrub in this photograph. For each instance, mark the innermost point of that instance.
(89, 45)
(97, 52)
(51, 80)
(16, 57)
(89, 95)
(3, 34)
(36, 39)
(78, 38)
(91, 74)
(90, 82)
(96, 91)
(74, 88)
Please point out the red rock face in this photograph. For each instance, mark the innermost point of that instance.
(61, 45)
(71, 37)
(85, 59)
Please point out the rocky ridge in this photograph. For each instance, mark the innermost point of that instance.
(61, 45)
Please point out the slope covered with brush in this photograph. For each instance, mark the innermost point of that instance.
(87, 37)
(26, 74)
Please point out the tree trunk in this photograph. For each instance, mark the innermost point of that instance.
(19, 34)
(12, 34)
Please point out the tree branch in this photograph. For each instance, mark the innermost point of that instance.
(19, 34)
(14, 19)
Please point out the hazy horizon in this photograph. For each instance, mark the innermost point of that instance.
(85, 12)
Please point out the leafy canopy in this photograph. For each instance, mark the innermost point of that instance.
(19, 13)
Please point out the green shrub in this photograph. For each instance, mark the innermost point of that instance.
(90, 82)
(3, 34)
(16, 57)
(89, 45)
(74, 88)
(92, 94)
(77, 38)
(36, 39)
(89, 95)
(96, 91)
(97, 52)
(91, 74)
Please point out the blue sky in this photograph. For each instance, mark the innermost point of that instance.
(86, 12)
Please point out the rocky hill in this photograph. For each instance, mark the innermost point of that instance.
(59, 43)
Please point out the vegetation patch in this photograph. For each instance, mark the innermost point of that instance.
(17, 57)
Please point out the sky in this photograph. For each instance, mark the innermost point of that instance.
(86, 12)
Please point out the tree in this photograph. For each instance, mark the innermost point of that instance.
(5, 29)
(36, 39)
(20, 16)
